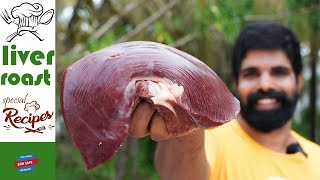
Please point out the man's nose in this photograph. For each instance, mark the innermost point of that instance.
(266, 83)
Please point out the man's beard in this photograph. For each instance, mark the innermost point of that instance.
(269, 120)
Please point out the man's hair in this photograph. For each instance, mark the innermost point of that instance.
(266, 36)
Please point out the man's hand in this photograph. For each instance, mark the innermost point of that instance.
(146, 121)
(177, 157)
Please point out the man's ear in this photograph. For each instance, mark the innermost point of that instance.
(234, 84)
(300, 82)
(235, 92)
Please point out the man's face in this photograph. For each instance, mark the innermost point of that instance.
(267, 89)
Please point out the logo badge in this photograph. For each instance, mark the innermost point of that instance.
(26, 163)
(27, 119)
(27, 17)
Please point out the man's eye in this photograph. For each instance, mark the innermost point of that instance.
(250, 74)
(280, 71)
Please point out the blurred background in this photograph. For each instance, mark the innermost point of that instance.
(205, 29)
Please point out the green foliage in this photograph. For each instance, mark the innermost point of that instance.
(307, 25)
(298, 24)
(145, 162)
(315, 20)
(69, 59)
(107, 39)
(177, 22)
(202, 16)
(228, 16)
(312, 6)
(195, 16)
(71, 167)
(161, 34)
(303, 126)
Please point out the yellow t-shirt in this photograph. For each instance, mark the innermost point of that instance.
(234, 155)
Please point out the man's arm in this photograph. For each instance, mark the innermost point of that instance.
(182, 158)
(176, 157)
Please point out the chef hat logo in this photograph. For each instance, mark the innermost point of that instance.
(27, 17)
(27, 10)
(32, 104)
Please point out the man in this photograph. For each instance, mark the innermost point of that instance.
(259, 144)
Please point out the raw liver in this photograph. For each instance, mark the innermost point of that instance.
(100, 91)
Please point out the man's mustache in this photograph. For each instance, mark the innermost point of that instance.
(279, 96)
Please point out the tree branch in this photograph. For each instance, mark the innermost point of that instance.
(74, 17)
(184, 40)
(148, 21)
(114, 19)
(279, 16)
